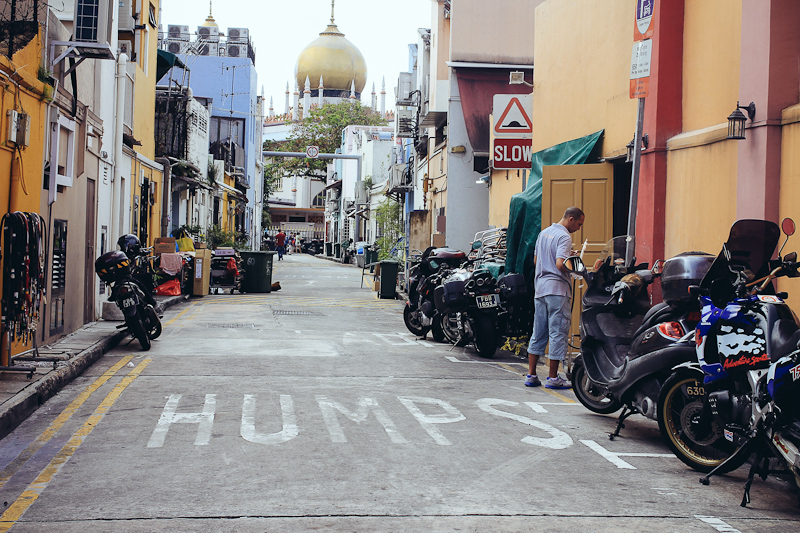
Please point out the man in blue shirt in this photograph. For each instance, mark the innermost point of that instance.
(553, 287)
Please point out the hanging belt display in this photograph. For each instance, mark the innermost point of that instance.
(24, 241)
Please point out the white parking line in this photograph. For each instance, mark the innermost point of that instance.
(614, 457)
(717, 524)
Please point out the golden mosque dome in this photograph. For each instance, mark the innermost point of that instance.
(335, 59)
(210, 22)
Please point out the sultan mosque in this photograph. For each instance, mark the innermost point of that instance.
(329, 70)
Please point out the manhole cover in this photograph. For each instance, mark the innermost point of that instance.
(305, 313)
(232, 326)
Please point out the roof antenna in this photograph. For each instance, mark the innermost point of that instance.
(332, 1)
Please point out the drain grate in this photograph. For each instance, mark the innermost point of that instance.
(303, 313)
(232, 326)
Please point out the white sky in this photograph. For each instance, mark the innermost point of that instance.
(280, 29)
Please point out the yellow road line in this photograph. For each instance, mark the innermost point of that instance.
(13, 467)
(37, 486)
(170, 321)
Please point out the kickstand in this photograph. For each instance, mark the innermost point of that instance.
(744, 448)
(626, 412)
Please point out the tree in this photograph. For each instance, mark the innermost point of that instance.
(321, 127)
(389, 217)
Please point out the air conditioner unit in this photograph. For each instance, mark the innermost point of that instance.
(178, 33)
(237, 50)
(126, 20)
(362, 195)
(203, 50)
(404, 88)
(238, 35)
(125, 47)
(176, 47)
(405, 123)
(208, 33)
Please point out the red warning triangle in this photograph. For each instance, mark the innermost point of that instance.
(514, 119)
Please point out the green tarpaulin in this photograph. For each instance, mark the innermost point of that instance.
(525, 215)
(165, 61)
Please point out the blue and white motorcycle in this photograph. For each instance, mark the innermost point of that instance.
(742, 395)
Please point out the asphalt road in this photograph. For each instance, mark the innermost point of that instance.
(314, 408)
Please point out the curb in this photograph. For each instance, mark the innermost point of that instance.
(17, 409)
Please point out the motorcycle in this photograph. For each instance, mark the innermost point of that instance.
(628, 346)
(740, 395)
(423, 278)
(141, 318)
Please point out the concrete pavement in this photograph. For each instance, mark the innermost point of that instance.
(21, 394)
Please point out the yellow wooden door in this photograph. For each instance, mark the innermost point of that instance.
(590, 187)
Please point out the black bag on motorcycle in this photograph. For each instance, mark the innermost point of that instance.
(514, 287)
(451, 297)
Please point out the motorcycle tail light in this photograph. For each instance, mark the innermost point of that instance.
(470, 284)
(671, 329)
(480, 282)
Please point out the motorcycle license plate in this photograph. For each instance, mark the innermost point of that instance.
(128, 302)
(486, 301)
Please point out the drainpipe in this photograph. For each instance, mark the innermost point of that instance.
(116, 207)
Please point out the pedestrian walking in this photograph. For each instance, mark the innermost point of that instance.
(553, 290)
(280, 244)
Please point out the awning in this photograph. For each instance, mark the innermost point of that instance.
(192, 181)
(477, 87)
(433, 119)
(335, 184)
(167, 60)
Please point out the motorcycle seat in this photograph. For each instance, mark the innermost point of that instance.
(784, 339)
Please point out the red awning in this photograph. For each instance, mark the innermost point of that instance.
(477, 87)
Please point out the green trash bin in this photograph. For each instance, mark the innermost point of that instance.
(257, 271)
(328, 249)
(370, 256)
(337, 250)
(389, 279)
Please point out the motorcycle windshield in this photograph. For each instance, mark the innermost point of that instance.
(622, 251)
(751, 243)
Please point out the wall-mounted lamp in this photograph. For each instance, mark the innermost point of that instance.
(736, 120)
(484, 180)
(629, 147)
(517, 77)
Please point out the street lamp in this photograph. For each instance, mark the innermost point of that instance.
(629, 147)
(737, 120)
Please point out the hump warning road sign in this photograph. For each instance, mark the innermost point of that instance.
(511, 115)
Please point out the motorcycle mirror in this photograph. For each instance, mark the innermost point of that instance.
(658, 266)
(575, 265)
(476, 245)
(788, 226)
(791, 258)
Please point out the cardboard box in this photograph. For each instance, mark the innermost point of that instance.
(375, 285)
(164, 245)
(201, 274)
(199, 245)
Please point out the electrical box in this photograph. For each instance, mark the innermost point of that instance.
(19, 128)
(12, 125)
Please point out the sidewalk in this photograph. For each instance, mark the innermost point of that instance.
(74, 353)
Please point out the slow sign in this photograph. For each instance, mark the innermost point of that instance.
(512, 154)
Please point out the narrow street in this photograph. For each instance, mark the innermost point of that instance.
(314, 408)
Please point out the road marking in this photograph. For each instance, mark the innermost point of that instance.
(537, 406)
(38, 485)
(558, 439)
(13, 467)
(170, 321)
(717, 524)
(614, 457)
(169, 416)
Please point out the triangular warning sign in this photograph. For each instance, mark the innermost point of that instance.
(514, 119)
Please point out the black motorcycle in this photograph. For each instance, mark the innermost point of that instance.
(628, 346)
(424, 276)
(740, 394)
(141, 318)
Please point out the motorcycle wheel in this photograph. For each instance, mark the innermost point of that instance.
(136, 327)
(592, 399)
(153, 322)
(449, 326)
(413, 323)
(486, 336)
(436, 329)
(701, 446)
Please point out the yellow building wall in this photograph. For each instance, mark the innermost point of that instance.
(711, 55)
(789, 203)
(701, 197)
(581, 77)
(505, 184)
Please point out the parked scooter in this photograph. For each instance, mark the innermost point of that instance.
(141, 318)
(423, 278)
(628, 347)
(141, 268)
(741, 394)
